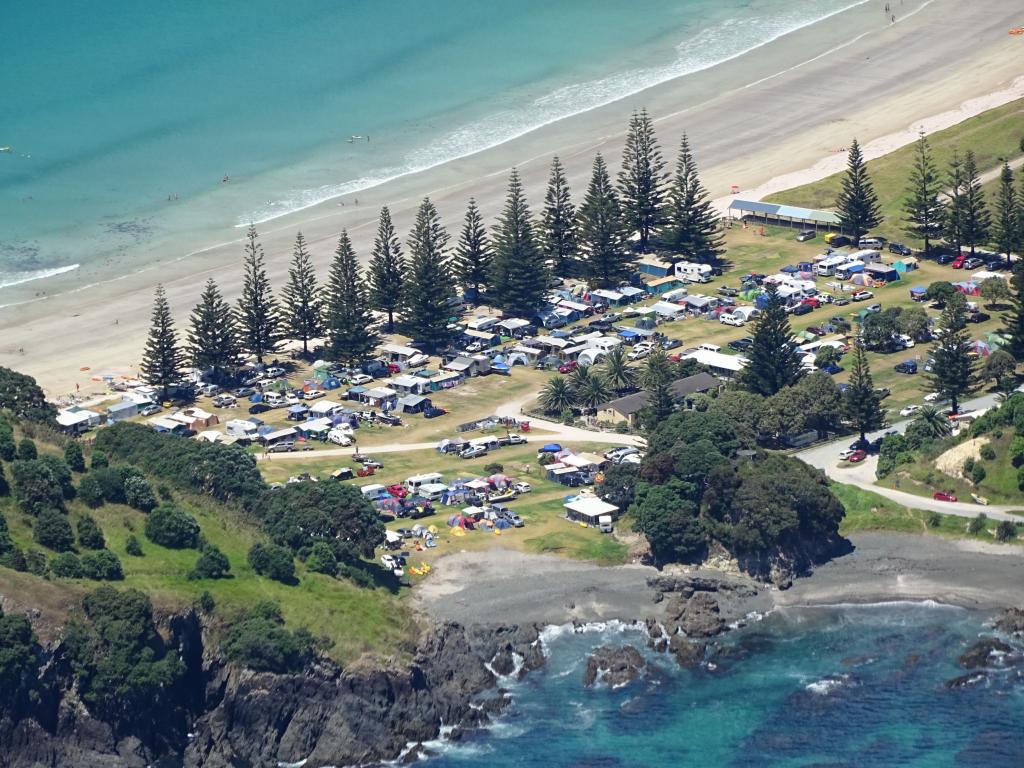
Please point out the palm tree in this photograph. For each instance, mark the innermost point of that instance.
(658, 371)
(594, 391)
(934, 421)
(580, 378)
(557, 396)
(617, 371)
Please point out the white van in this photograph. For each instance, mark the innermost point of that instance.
(342, 437)
(274, 399)
(695, 273)
(709, 347)
(371, 490)
(871, 242)
(415, 482)
(734, 320)
(482, 323)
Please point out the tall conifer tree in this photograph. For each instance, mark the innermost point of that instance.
(387, 269)
(602, 233)
(430, 280)
(473, 253)
(1006, 228)
(954, 371)
(213, 334)
(976, 224)
(772, 362)
(257, 312)
(350, 335)
(860, 400)
(559, 223)
(691, 227)
(956, 202)
(161, 358)
(924, 207)
(518, 273)
(642, 180)
(1014, 319)
(857, 204)
(303, 305)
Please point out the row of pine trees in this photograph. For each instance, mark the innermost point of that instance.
(598, 241)
(948, 206)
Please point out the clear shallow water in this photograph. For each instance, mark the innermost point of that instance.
(824, 687)
(110, 108)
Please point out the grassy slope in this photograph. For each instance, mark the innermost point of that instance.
(993, 136)
(356, 620)
(867, 511)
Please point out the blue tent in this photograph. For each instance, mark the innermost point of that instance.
(551, 448)
(789, 269)
(331, 383)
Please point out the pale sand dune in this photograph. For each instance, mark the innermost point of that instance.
(853, 75)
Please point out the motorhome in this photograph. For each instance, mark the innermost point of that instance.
(827, 266)
(415, 482)
(692, 272)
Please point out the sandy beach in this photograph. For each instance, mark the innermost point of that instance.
(475, 587)
(781, 109)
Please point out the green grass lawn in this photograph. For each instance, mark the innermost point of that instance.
(992, 136)
(867, 511)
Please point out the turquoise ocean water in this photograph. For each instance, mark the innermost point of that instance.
(858, 687)
(108, 109)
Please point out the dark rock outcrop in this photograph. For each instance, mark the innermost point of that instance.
(689, 654)
(223, 716)
(614, 666)
(1011, 622)
(982, 653)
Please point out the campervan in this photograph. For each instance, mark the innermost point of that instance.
(339, 436)
(274, 399)
(694, 273)
(415, 482)
(482, 323)
(848, 269)
(827, 266)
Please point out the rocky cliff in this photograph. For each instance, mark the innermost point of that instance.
(223, 716)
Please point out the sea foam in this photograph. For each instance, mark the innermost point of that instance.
(7, 279)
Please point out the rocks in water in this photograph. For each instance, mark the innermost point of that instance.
(700, 616)
(967, 681)
(980, 654)
(688, 653)
(615, 666)
(1011, 622)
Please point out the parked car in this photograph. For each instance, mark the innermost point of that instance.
(807, 234)
(224, 401)
(839, 241)
(945, 258)
(259, 408)
(514, 439)
(973, 263)
(857, 456)
(284, 447)
(996, 265)
(958, 262)
(803, 309)
(600, 325)
(433, 413)
(840, 301)
(514, 519)
(873, 308)
(340, 437)
(817, 331)
(978, 317)
(845, 454)
(568, 367)
(907, 366)
(725, 290)
(149, 410)
(909, 410)
(620, 451)
(640, 351)
(366, 461)
(473, 452)
(882, 392)
(398, 490)
(274, 372)
(734, 320)
(741, 345)
(360, 379)
(313, 394)
(862, 295)
(389, 418)
(934, 397)
(943, 496)
(244, 392)
(522, 487)
(667, 344)
(811, 301)
(832, 369)
(900, 248)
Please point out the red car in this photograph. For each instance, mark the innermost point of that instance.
(858, 455)
(958, 262)
(812, 302)
(816, 330)
(943, 496)
(569, 367)
(398, 491)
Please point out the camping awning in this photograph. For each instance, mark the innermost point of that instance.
(591, 507)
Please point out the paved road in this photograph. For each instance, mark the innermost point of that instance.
(826, 457)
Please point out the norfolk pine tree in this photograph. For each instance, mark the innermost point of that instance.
(303, 305)
(518, 273)
(257, 310)
(923, 207)
(954, 373)
(642, 180)
(976, 221)
(213, 334)
(861, 403)
(430, 280)
(956, 200)
(350, 338)
(472, 262)
(602, 234)
(857, 205)
(559, 223)
(387, 269)
(1013, 321)
(1006, 229)
(691, 224)
(161, 358)
(772, 362)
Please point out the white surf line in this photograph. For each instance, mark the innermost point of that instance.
(834, 163)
